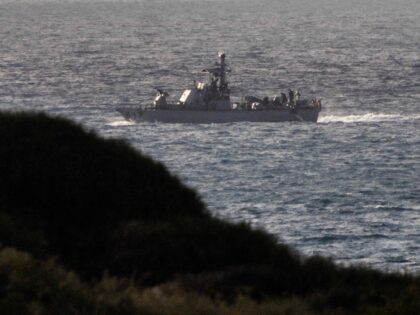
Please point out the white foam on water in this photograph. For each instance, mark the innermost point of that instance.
(120, 122)
(368, 117)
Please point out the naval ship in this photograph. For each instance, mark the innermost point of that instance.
(210, 102)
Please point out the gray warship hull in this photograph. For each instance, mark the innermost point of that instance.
(215, 116)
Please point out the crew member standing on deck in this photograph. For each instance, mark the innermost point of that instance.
(291, 98)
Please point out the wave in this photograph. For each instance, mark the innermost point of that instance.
(368, 117)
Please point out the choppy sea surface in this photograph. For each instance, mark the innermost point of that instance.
(346, 187)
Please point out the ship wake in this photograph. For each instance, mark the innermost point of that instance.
(368, 117)
(120, 122)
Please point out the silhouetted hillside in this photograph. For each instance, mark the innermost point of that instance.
(98, 205)
(121, 221)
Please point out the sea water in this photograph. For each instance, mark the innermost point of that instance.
(346, 187)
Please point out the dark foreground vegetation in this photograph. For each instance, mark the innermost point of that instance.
(90, 226)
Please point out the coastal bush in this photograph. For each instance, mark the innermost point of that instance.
(33, 286)
(98, 205)
(75, 187)
(191, 246)
(29, 286)
(16, 233)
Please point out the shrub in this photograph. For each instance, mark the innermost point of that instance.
(75, 187)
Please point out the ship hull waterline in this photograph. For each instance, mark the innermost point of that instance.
(212, 116)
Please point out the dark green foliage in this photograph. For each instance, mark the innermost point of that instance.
(191, 245)
(29, 281)
(30, 286)
(76, 187)
(24, 236)
(99, 207)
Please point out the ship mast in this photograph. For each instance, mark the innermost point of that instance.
(223, 82)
